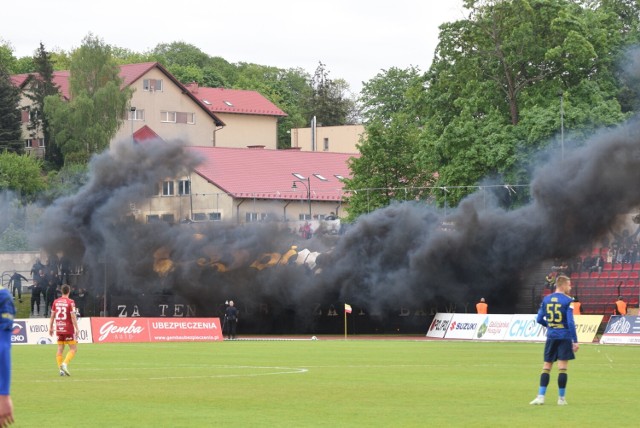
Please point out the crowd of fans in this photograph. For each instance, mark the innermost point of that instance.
(621, 254)
(47, 281)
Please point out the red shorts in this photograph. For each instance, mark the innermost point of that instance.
(68, 339)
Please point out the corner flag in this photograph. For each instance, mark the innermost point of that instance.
(347, 308)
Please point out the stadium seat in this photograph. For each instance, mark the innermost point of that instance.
(604, 275)
(600, 283)
(617, 266)
(607, 266)
(634, 274)
(613, 274)
(611, 283)
(630, 283)
(594, 275)
(584, 275)
(575, 275)
(636, 266)
(624, 275)
(627, 266)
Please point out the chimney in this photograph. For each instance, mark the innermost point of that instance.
(193, 87)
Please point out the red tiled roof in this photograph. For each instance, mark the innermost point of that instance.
(266, 174)
(144, 134)
(129, 73)
(60, 78)
(220, 100)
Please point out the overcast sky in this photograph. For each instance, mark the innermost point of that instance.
(356, 39)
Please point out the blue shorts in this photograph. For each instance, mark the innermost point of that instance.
(558, 349)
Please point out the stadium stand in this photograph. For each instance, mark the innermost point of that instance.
(598, 291)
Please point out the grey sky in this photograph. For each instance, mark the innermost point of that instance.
(354, 38)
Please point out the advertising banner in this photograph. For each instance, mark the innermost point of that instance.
(35, 331)
(464, 326)
(439, 325)
(518, 327)
(622, 330)
(108, 330)
(587, 327)
(493, 327)
(525, 328)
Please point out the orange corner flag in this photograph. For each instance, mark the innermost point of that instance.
(347, 308)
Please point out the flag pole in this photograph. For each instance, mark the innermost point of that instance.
(347, 310)
(345, 325)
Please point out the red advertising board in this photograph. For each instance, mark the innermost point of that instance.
(106, 330)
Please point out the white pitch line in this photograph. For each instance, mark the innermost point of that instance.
(282, 371)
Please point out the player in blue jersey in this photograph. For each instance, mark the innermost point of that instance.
(556, 313)
(7, 312)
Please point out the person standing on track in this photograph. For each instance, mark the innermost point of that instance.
(63, 316)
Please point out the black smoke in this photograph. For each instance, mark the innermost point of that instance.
(407, 254)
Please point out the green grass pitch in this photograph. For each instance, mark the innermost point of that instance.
(323, 383)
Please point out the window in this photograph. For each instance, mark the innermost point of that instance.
(326, 144)
(215, 216)
(178, 117)
(153, 218)
(136, 114)
(304, 217)
(199, 217)
(40, 142)
(250, 217)
(25, 116)
(167, 188)
(168, 116)
(152, 85)
(168, 218)
(27, 143)
(184, 187)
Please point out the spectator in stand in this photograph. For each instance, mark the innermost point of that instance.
(550, 280)
(610, 254)
(482, 307)
(621, 306)
(37, 289)
(15, 283)
(577, 306)
(65, 270)
(36, 270)
(598, 262)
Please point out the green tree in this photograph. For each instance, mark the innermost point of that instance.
(389, 92)
(86, 124)
(13, 239)
(492, 95)
(180, 53)
(10, 115)
(21, 174)
(329, 101)
(387, 168)
(42, 86)
(7, 59)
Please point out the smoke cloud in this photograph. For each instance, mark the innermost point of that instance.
(408, 254)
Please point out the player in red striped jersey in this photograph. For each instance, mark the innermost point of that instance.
(63, 316)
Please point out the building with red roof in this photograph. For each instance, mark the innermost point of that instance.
(207, 117)
(250, 118)
(244, 185)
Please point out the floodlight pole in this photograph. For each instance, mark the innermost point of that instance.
(307, 187)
